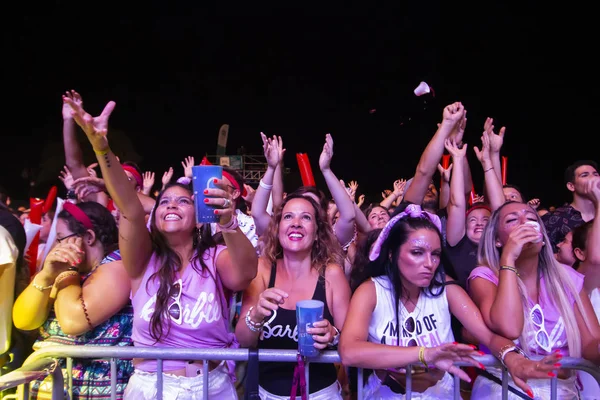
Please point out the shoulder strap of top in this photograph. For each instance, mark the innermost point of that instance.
(273, 274)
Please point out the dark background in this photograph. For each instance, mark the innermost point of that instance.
(301, 73)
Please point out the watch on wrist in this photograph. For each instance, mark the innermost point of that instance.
(511, 349)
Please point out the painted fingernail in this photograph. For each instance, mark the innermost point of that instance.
(482, 366)
(530, 393)
(481, 353)
(473, 346)
(551, 374)
(206, 200)
(215, 180)
(558, 365)
(216, 211)
(205, 191)
(454, 342)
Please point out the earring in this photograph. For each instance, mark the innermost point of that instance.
(198, 235)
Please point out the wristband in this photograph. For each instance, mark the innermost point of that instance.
(509, 268)
(264, 185)
(102, 152)
(231, 226)
(40, 287)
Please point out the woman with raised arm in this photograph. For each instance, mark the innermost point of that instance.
(402, 316)
(81, 298)
(298, 262)
(526, 295)
(180, 277)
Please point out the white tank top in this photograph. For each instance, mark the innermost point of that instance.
(431, 320)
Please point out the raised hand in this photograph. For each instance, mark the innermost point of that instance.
(166, 178)
(353, 186)
(250, 192)
(399, 185)
(455, 151)
(91, 171)
(327, 153)
(445, 173)
(87, 185)
(95, 128)
(496, 140)
(67, 111)
(148, 179)
(459, 129)
(452, 114)
(534, 203)
(484, 155)
(66, 177)
(361, 200)
(187, 165)
(271, 150)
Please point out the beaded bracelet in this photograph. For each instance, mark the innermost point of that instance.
(253, 326)
(40, 287)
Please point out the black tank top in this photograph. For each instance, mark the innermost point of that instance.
(282, 333)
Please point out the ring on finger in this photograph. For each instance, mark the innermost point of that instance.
(226, 202)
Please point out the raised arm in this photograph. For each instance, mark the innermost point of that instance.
(278, 189)
(261, 198)
(73, 154)
(134, 239)
(457, 206)
(344, 226)
(493, 185)
(432, 154)
(496, 141)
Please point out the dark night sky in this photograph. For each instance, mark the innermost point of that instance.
(302, 73)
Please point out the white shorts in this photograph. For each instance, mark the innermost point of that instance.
(374, 389)
(142, 386)
(332, 392)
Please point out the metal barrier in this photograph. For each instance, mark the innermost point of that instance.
(44, 362)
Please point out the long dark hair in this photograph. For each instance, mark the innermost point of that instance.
(386, 263)
(169, 263)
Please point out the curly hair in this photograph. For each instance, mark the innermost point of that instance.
(326, 248)
(105, 227)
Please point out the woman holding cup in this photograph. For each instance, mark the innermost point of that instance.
(297, 264)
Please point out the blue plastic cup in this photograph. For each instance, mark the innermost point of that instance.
(307, 313)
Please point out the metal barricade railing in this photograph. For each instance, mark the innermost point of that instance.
(44, 362)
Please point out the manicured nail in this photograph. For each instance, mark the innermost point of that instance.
(216, 211)
(551, 374)
(482, 366)
(530, 393)
(454, 342)
(216, 180)
(481, 353)
(473, 346)
(205, 191)
(206, 200)
(558, 365)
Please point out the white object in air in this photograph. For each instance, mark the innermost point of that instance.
(422, 89)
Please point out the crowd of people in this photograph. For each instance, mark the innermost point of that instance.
(425, 278)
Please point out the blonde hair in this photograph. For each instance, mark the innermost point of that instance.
(558, 282)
